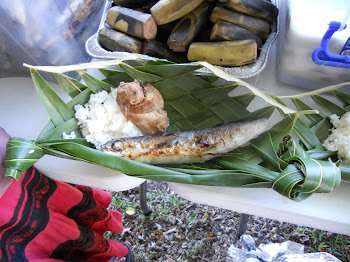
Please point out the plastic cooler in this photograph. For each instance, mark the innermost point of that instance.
(307, 28)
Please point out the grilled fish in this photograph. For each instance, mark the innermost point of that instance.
(188, 146)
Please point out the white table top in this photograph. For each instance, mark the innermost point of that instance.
(22, 114)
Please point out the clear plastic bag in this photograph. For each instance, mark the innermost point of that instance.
(43, 32)
(245, 250)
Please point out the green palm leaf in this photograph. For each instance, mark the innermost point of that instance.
(70, 85)
(142, 77)
(169, 70)
(310, 119)
(94, 84)
(328, 107)
(114, 77)
(343, 97)
(56, 133)
(58, 110)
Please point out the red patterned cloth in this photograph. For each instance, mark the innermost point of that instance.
(46, 220)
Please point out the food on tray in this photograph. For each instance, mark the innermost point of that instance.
(165, 11)
(227, 31)
(188, 28)
(161, 50)
(101, 120)
(113, 40)
(339, 139)
(143, 105)
(233, 53)
(258, 8)
(187, 146)
(132, 3)
(132, 22)
(253, 24)
(181, 23)
(263, 9)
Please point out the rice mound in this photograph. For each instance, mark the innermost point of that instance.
(339, 139)
(101, 120)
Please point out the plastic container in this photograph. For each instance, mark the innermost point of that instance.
(305, 25)
(45, 32)
(95, 50)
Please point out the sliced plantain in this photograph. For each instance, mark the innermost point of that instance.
(132, 22)
(113, 40)
(253, 24)
(258, 8)
(188, 28)
(226, 53)
(132, 3)
(225, 31)
(161, 50)
(166, 11)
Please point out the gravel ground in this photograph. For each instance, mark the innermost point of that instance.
(180, 230)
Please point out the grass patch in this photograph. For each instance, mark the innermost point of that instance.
(322, 241)
(203, 233)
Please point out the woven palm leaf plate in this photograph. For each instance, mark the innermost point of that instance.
(289, 158)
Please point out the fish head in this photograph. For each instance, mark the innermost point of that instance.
(115, 147)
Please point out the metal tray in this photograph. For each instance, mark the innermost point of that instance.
(94, 49)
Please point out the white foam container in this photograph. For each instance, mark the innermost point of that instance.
(305, 25)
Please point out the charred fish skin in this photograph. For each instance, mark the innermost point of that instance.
(188, 146)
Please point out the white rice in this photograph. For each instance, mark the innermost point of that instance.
(339, 139)
(72, 135)
(101, 120)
